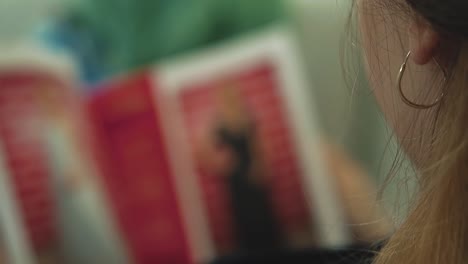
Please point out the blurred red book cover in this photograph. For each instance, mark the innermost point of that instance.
(24, 148)
(24, 116)
(170, 209)
(137, 172)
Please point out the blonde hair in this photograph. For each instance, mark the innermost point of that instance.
(436, 231)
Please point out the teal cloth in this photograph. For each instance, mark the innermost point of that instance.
(134, 33)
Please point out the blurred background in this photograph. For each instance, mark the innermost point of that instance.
(69, 69)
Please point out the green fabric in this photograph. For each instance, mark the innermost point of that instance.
(138, 32)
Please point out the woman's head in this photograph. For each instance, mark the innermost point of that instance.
(436, 34)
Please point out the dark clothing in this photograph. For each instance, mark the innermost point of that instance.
(256, 227)
(353, 255)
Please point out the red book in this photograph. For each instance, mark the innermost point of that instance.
(258, 88)
(263, 72)
(168, 209)
(22, 120)
(137, 172)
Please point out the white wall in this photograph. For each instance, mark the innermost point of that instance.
(17, 17)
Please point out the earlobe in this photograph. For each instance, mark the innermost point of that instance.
(423, 41)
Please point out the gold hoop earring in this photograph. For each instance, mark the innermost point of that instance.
(402, 94)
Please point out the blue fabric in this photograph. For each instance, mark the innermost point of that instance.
(78, 42)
